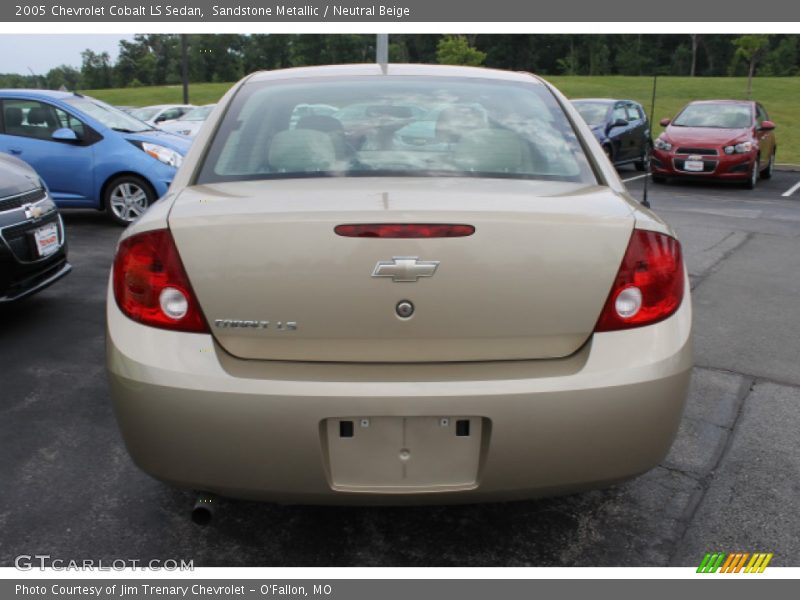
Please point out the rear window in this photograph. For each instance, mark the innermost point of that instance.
(594, 113)
(394, 126)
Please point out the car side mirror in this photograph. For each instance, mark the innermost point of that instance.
(767, 126)
(665, 121)
(65, 134)
(619, 123)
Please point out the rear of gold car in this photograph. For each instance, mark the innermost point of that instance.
(384, 338)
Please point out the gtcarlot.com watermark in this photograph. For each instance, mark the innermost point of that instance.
(43, 562)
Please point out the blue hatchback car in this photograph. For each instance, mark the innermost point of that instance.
(621, 127)
(90, 154)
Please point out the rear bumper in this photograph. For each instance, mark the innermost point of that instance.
(195, 417)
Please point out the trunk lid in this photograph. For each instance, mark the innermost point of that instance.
(528, 284)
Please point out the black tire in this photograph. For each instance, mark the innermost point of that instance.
(767, 173)
(641, 164)
(127, 198)
(751, 182)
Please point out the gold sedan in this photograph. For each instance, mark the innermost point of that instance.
(390, 285)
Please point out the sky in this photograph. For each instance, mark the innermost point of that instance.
(41, 53)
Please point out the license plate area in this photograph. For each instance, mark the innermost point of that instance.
(46, 240)
(404, 454)
(695, 166)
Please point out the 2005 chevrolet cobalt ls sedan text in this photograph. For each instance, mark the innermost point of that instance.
(329, 312)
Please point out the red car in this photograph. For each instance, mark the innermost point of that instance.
(717, 139)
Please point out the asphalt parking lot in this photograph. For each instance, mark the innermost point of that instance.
(730, 483)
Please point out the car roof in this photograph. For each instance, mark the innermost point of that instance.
(161, 106)
(727, 101)
(376, 70)
(32, 93)
(603, 100)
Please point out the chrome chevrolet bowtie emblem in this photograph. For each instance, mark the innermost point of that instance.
(405, 268)
(33, 212)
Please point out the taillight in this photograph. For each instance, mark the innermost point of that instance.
(404, 230)
(151, 286)
(649, 285)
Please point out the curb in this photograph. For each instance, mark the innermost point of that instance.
(787, 167)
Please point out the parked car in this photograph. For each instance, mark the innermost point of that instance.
(497, 319)
(621, 127)
(33, 247)
(158, 113)
(90, 154)
(189, 124)
(731, 140)
(434, 130)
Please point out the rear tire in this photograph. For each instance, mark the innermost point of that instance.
(127, 198)
(767, 173)
(641, 164)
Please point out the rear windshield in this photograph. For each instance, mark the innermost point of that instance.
(594, 113)
(395, 126)
(724, 116)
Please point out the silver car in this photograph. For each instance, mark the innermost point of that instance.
(316, 314)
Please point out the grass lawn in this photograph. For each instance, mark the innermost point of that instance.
(778, 94)
(199, 93)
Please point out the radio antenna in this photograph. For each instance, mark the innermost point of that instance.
(647, 170)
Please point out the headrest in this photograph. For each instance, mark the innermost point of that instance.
(37, 116)
(13, 116)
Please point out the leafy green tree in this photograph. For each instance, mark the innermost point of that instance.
(456, 50)
(682, 61)
(134, 62)
(631, 57)
(96, 70)
(751, 48)
(266, 52)
(599, 55)
(515, 52)
(783, 60)
(64, 75)
(570, 64)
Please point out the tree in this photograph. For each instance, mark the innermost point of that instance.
(64, 75)
(266, 52)
(455, 50)
(570, 64)
(751, 48)
(782, 61)
(96, 69)
(599, 55)
(695, 45)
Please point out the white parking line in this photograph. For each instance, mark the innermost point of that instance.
(791, 190)
(638, 177)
